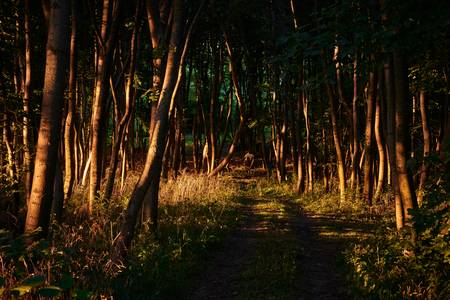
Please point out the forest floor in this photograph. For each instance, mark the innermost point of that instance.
(280, 251)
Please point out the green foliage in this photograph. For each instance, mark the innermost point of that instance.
(391, 266)
(37, 267)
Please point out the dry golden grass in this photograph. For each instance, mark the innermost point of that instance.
(197, 188)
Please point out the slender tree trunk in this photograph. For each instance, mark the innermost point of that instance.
(129, 99)
(107, 41)
(217, 79)
(26, 105)
(426, 146)
(337, 142)
(300, 172)
(157, 34)
(402, 113)
(38, 213)
(309, 161)
(151, 173)
(354, 182)
(380, 143)
(368, 145)
(69, 145)
(240, 130)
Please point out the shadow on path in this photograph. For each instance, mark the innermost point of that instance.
(280, 252)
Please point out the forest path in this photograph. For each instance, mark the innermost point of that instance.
(280, 252)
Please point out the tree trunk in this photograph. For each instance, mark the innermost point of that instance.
(107, 39)
(426, 146)
(38, 213)
(354, 177)
(26, 105)
(241, 103)
(402, 135)
(368, 145)
(129, 100)
(69, 145)
(309, 162)
(151, 173)
(380, 143)
(337, 142)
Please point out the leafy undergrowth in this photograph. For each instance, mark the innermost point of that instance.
(387, 264)
(196, 213)
(390, 265)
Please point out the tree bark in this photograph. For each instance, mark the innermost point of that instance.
(129, 100)
(354, 177)
(69, 145)
(368, 145)
(26, 105)
(152, 169)
(337, 142)
(402, 135)
(107, 40)
(38, 213)
(380, 143)
(241, 103)
(426, 145)
(309, 162)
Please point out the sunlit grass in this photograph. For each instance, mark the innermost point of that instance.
(196, 213)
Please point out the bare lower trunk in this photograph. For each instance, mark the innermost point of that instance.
(238, 94)
(107, 41)
(26, 105)
(129, 100)
(390, 138)
(354, 182)
(69, 145)
(337, 143)
(380, 146)
(368, 146)
(426, 146)
(309, 163)
(41, 196)
(402, 135)
(151, 173)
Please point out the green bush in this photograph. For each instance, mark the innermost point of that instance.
(391, 266)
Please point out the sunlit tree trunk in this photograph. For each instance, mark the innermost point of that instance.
(380, 142)
(337, 142)
(157, 32)
(390, 138)
(354, 177)
(26, 105)
(368, 145)
(152, 169)
(107, 40)
(238, 94)
(129, 99)
(309, 162)
(69, 145)
(402, 135)
(38, 213)
(426, 145)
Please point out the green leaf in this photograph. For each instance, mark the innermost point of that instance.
(34, 281)
(21, 290)
(49, 291)
(2, 281)
(66, 282)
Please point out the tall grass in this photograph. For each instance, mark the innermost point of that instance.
(196, 212)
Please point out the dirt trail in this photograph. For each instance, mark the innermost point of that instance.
(279, 253)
